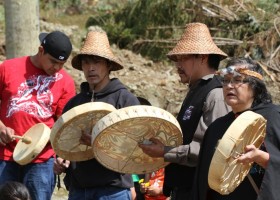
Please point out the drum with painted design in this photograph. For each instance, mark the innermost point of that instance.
(115, 138)
(68, 129)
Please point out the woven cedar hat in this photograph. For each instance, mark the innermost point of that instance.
(97, 44)
(195, 40)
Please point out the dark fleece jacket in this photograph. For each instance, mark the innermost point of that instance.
(91, 173)
(268, 180)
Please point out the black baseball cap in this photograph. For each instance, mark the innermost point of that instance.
(57, 44)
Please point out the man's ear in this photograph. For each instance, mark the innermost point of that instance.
(204, 58)
(41, 50)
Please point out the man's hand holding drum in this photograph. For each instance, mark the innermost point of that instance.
(155, 149)
(60, 165)
(85, 139)
(6, 134)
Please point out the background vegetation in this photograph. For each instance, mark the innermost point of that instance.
(153, 27)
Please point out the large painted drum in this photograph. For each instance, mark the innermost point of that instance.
(24, 152)
(68, 129)
(225, 174)
(116, 136)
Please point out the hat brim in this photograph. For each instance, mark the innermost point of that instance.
(42, 36)
(173, 56)
(77, 64)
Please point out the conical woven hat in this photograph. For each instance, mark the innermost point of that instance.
(195, 40)
(97, 44)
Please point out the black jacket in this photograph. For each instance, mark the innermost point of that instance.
(268, 180)
(91, 173)
(181, 176)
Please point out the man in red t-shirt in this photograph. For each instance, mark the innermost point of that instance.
(33, 89)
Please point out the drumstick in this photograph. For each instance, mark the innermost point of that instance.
(24, 139)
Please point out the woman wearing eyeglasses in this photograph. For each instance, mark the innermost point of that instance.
(244, 89)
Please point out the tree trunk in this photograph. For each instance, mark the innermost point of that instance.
(22, 27)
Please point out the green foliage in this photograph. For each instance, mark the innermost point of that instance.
(271, 6)
(2, 14)
(142, 20)
(152, 27)
(2, 18)
(51, 4)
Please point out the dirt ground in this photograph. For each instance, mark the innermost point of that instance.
(62, 193)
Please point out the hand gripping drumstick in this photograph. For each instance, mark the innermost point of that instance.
(24, 139)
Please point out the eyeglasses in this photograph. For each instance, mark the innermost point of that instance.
(237, 81)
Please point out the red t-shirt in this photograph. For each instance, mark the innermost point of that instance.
(30, 96)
